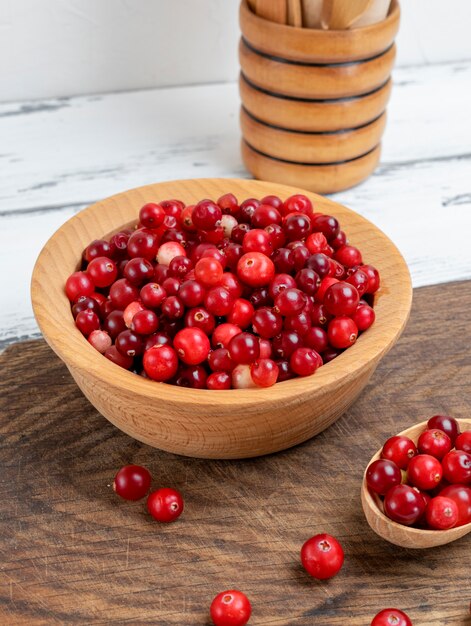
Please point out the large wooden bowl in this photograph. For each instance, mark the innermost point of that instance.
(304, 80)
(214, 424)
(303, 147)
(314, 45)
(405, 536)
(309, 115)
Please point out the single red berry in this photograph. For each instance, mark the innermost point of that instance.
(341, 299)
(165, 505)
(297, 226)
(457, 467)
(99, 247)
(359, 280)
(151, 215)
(219, 381)
(172, 307)
(400, 450)
(441, 513)
(192, 345)
(228, 203)
(373, 278)
(255, 269)
(404, 505)
(208, 271)
(322, 556)
(218, 301)
(206, 215)
(132, 482)
(264, 372)
(241, 313)
(316, 243)
(342, 332)
(364, 317)
(223, 334)
(448, 424)
(167, 252)
(257, 240)
(87, 321)
(79, 284)
(244, 348)
(265, 215)
(143, 243)
(434, 442)
(84, 303)
(290, 301)
(199, 317)
(424, 471)
(138, 271)
(266, 322)
(305, 361)
(391, 617)
(160, 362)
(297, 203)
(145, 322)
(381, 475)
(316, 338)
(230, 608)
(461, 495)
(320, 263)
(129, 343)
(273, 201)
(100, 340)
(326, 282)
(117, 358)
(463, 441)
(349, 256)
(122, 293)
(326, 224)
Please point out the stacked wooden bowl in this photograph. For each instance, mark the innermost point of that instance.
(314, 101)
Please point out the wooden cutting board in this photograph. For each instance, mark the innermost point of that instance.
(72, 552)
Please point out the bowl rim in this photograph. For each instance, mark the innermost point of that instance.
(370, 500)
(69, 344)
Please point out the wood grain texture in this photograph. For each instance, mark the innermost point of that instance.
(256, 421)
(399, 534)
(303, 147)
(314, 115)
(295, 14)
(325, 178)
(272, 10)
(339, 15)
(317, 46)
(72, 552)
(316, 81)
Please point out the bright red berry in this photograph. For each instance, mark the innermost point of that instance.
(192, 345)
(382, 475)
(441, 513)
(457, 467)
(391, 617)
(322, 556)
(404, 505)
(463, 441)
(342, 332)
(255, 269)
(165, 505)
(434, 442)
(160, 362)
(230, 608)
(424, 472)
(461, 495)
(400, 450)
(132, 482)
(448, 424)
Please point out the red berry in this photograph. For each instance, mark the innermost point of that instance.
(373, 278)
(79, 284)
(391, 617)
(434, 442)
(326, 224)
(218, 301)
(326, 282)
(461, 495)
(218, 381)
(322, 556)
(448, 424)
(151, 215)
(463, 441)
(298, 202)
(228, 203)
(290, 301)
(165, 505)
(359, 280)
(206, 215)
(404, 505)
(441, 513)
(132, 482)
(457, 467)
(424, 472)
(241, 313)
(381, 475)
(400, 450)
(349, 256)
(316, 338)
(266, 322)
(257, 240)
(255, 269)
(264, 372)
(117, 358)
(341, 299)
(364, 317)
(200, 318)
(305, 361)
(297, 226)
(208, 271)
(230, 608)
(100, 340)
(143, 243)
(168, 251)
(129, 343)
(192, 345)
(98, 248)
(138, 271)
(160, 362)
(122, 293)
(342, 332)
(223, 335)
(87, 321)
(244, 348)
(265, 215)
(145, 322)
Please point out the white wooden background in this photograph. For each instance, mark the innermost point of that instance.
(56, 156)
(52, 48)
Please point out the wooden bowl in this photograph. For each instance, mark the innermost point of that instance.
(313, 81)
(313, 115)
(316, 45)
(202, 423)
(323, 178)
(314, 148)
(397, 533)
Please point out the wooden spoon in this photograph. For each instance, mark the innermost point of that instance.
(295, 15)
(273, 10)
(341, 14)
(404, 535)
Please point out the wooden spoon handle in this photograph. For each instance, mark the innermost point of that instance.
(295, 15)
(311, 10)
(273, 10)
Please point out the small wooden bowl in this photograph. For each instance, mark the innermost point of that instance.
(324, 178)
(397, 533)
(313, 81)
(314, 148)
(316, 45)
(202, 423)
(313, 115)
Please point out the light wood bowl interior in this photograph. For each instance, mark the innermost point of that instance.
(398, 534)
(325, 178)
(302, 147)
(202, 423)
(315, 81)
(310, 115)
(317, 45)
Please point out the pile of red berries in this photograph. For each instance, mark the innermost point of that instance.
(428, 484)
(220, 295)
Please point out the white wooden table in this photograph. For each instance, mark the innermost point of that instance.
(57, 156)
